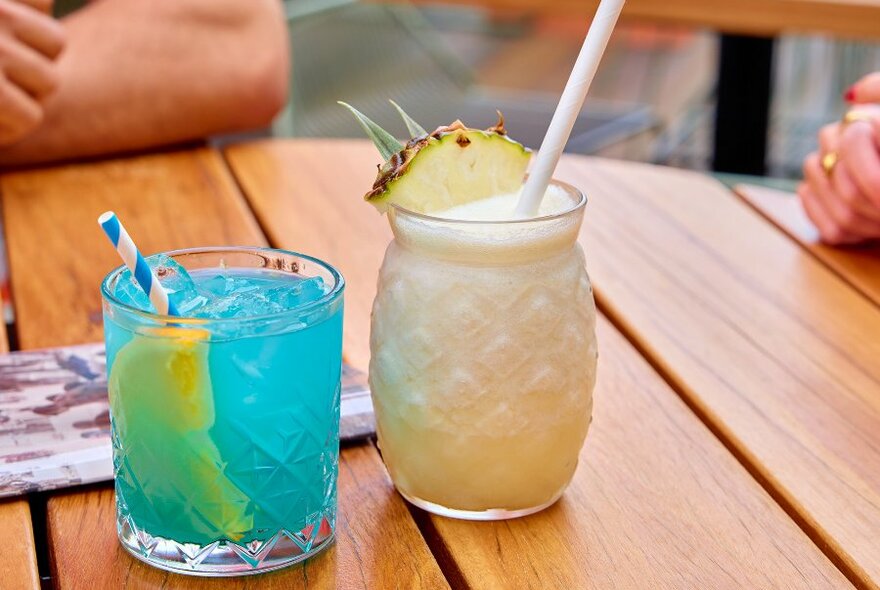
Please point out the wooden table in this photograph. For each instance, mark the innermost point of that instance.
(736, 439)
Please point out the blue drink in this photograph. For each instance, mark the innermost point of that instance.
(226, 422)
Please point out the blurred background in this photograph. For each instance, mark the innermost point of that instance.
(654, 99)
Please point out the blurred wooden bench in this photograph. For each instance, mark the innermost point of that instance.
(749, 29)
(843, 18)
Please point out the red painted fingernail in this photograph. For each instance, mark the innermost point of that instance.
(850, 94)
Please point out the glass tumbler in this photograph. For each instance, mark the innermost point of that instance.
(226, 431)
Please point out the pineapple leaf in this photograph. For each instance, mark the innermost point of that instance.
(415, 130)
(384, 141)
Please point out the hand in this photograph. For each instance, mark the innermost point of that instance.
(30, 42)
(845, 203)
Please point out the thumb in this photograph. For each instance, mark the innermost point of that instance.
(865, 90)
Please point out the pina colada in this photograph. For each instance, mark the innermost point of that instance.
(483, 347)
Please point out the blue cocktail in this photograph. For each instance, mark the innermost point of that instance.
(226, 421)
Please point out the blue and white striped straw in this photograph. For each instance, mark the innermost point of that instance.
(135, 262)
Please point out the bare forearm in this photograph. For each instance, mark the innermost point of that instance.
(138, 74)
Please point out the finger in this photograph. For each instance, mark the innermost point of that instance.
(815, 175)
(865, 113)
(827, 231)
(41, 32)
(865, 90)
(845, 223)
(19, 112)
(30, 70)
(859, 153)
(814, 209)
(829, 138)
(846, 188)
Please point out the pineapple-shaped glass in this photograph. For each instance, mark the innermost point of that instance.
(483, 348)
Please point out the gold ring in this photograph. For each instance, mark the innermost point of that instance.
(855, 115)
(829, 161)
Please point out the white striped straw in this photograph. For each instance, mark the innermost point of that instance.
(570, 104)
(135, 262)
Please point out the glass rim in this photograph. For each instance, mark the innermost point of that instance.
(326, 299)
(569, 188)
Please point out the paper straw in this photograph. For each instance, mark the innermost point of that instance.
(135, 262)
(569, 107)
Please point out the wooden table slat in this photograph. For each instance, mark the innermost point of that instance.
(844, 18)
(169, 201)
(858, 265)
(657, 501)
(18, 557)
(773, 349)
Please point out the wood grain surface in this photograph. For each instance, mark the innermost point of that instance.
(169, 201)
(843, 18)
(858, 265)
(775, 351)
(657, 502)
(18, 558)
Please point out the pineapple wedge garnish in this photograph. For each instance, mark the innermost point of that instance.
(451, 166)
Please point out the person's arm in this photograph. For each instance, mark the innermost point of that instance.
(137, 74)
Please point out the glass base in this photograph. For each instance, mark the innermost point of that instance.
(224, 558)
(485, 515)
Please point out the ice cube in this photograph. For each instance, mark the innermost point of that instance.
(172, 276)
(296, 294)
(242, 286)
(222, 285)
(130, 293)
(217, 307)
(238, 305)
(180, 286)
(217, 286)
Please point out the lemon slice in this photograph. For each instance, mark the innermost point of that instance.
(163, 406)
